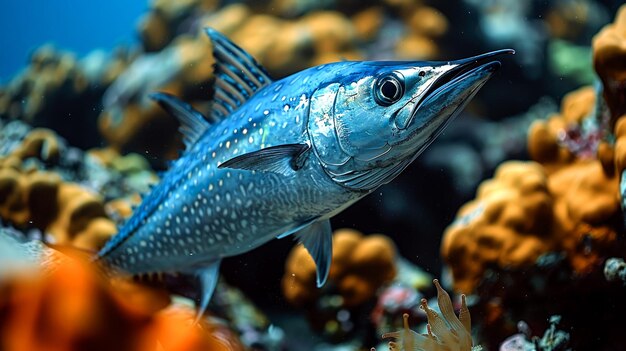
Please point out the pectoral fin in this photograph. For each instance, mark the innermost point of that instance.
(282, 159)
(208, 277)
(318, 240)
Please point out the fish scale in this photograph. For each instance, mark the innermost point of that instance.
(279, 158)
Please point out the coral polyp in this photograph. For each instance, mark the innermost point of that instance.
(444, 332)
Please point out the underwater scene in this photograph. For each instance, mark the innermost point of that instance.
(326, 175)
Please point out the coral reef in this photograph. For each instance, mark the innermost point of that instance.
(609, 59)
(131, 122)
(401, 296)
(522, 213)
(566, 200)
(533, 243)
(66, 212)
(447, 333)
(56, 87)
(507, 23)
(73, 308)
(540, 231)
(552, 340)
(177, 57)
(360, 265)
(62, 192)
(615, 270)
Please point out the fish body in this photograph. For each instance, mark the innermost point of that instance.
(276, 158)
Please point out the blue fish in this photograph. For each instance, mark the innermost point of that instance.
(276, 158)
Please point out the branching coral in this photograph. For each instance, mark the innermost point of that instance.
(450, 333)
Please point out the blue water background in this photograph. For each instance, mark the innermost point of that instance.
(75, 25)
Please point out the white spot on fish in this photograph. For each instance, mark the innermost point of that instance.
(286, 108)
(303, 102)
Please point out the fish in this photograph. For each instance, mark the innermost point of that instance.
(274, 158)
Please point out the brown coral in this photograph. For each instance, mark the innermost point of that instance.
(360, 265)
(56, 88)
(609, 59)
(74, 308)
(70, 214)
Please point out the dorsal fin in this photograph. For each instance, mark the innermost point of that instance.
(237, 75)
(192, 123)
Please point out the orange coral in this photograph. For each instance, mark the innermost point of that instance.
(619, 151)
(69, 213)
(609, 59)
(73, 308)
(544, 136)
(360, 265)
(500, 227)
(523, 213)
(568, 200)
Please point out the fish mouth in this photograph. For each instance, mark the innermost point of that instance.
(464, 70)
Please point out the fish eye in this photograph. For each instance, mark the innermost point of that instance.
(388, 89)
